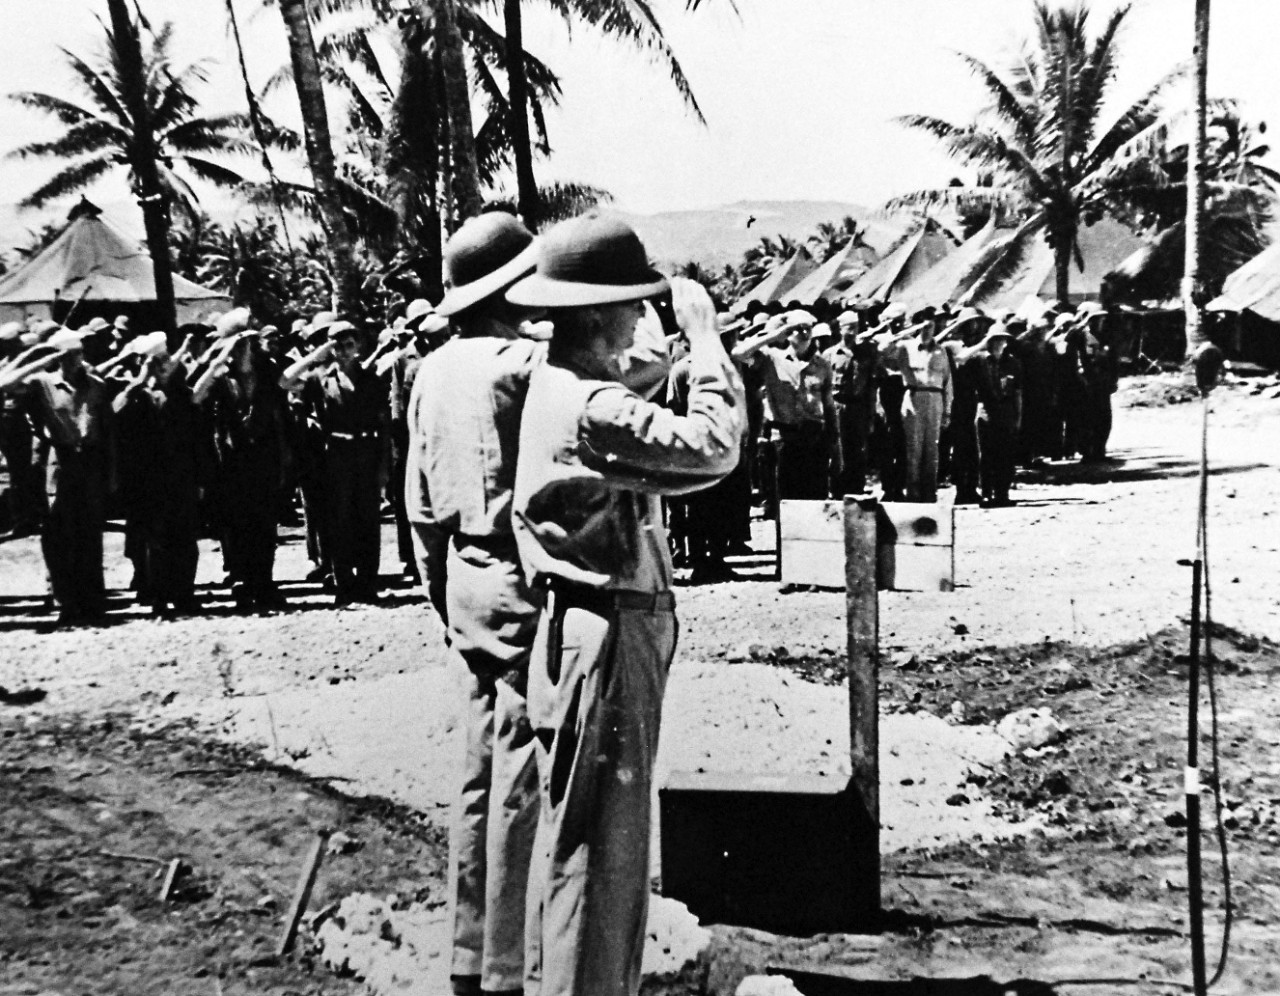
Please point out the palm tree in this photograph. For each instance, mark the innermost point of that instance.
(141, 115)
(1042, 136)
(319, 143)
(628, 20)
(830, 238)
(1193, 289)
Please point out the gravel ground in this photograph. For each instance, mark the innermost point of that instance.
(1086, 564)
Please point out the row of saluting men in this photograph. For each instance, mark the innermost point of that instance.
(215, 429)
(909, 400)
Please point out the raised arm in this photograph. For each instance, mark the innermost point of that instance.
(640, 444)
(296, 375)
(14, 376)
(775, 330)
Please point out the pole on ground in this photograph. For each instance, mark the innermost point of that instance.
(302, 895)
(862, 610)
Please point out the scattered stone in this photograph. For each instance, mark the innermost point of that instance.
(1031, 728)
(1175, 817)
(958, 799)
(341, 843)
(766, 985)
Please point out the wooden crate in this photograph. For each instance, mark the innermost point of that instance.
(915, 545)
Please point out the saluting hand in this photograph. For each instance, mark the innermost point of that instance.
(695, 314)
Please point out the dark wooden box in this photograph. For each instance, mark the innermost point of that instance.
(783, 853)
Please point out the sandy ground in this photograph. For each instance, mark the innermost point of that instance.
(364, 696)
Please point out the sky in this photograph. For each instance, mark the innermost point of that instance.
(800, 96)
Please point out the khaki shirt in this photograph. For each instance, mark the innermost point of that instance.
(74, 414)
(794, 388)
(595, 457)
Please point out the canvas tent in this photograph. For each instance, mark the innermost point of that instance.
(946, 281)
(781, 279)
(95, 264)
(832, 279)
(919, 252)
(1103, 247)
(1254, 287)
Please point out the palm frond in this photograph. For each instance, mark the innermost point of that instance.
(1007, 105)
(227, 133)
(94, 135)
(981, 148)
(1153, 141)
(66, 181)
(1002, 260)
(958, 198)
(65, 111)
(99, 88)
(635, 22)
(1136, 118)
(211, 172)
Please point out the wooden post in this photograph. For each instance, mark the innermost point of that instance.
(863, 618)
(302, 895)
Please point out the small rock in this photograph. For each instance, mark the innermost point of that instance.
(341, 843)
(960, 629)
(1031, 728)
(1175, 817)
(766, 985)
(958, 799)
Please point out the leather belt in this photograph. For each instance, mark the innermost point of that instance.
(353, 435)
(929, 390)
(606, 600)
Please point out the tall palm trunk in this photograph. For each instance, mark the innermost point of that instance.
(518, 102)
(464, 170)
(324, 173)
(143, 160)
(1192, 289)
(1062, 273)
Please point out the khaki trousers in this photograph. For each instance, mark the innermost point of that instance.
(595, 698)
(491, 626)
(922, 422)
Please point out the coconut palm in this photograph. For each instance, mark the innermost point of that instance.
(140, 114)
(1042, 135)
(830, 238)
(319, 144)
(1239, 205)
(631, 21)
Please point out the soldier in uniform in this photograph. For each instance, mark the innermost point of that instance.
(157, 410)
(926, 406)
(798, 389)
(595, 458)
(853, 363)
(246, 410)
(423, 331)
(18, 440)
(890, 440)
(958, 339)
(349, 400)
(73, 405)
(464, 422)
(998, 377)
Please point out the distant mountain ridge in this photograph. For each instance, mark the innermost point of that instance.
(712, 236)
(718, 235)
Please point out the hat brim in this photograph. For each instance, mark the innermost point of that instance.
(432, 323)
(542, 292)
(462, 297)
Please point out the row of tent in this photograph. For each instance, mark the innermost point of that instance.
(928, 268)
(93, 262)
